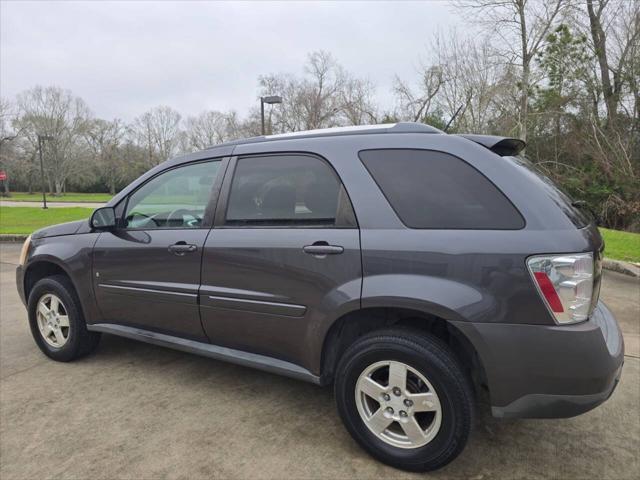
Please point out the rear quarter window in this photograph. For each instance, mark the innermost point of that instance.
(578, 217)
(435, 190)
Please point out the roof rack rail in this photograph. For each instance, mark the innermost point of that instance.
(400, 127)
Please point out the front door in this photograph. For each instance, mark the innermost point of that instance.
(283, 257)
(147, 272)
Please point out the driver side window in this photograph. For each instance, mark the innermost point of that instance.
(174, 199)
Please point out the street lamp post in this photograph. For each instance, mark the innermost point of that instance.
(41, 138)
(270, 100)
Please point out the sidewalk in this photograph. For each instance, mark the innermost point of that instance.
(9, 203)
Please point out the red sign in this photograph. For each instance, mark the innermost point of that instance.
(3, 175)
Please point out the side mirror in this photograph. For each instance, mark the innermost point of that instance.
(103, 218)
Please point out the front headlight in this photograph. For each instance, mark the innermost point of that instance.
(24, 253)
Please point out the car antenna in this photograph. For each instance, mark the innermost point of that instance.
(454, 117)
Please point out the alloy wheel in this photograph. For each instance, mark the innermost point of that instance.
(53, 320)
(398, 404)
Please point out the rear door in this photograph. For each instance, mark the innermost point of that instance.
(284, 254)
(147, 272)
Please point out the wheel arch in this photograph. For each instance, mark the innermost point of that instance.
(43, 267)
(353, 325)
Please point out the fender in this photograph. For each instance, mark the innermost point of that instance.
(448, 299)
(452, 301)
(71, 254)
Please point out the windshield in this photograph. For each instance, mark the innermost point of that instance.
(578, 216)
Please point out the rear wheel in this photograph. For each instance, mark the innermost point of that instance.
(57, 322)
(403, 396)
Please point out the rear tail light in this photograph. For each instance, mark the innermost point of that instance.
(565, 283)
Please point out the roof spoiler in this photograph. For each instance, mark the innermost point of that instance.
(503, 146)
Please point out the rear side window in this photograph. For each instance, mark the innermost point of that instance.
(579, 218)
(429, 189)
(281, 190)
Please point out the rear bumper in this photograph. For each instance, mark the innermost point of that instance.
(537, 405)
(536, 371)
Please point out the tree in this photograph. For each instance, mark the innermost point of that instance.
(522, 26)
(472, 81)
(415, 105)
(564, 62)
(462, 77)
(318, 95)
(621, 20)
(581, 139)
(7, 144)
(158, 132)
(104, 139)
(207, 129)
(325, 96)
(357, 104)
(56, 114)
(6, 115)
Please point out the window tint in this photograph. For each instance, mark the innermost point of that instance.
(579, 218)
(174, 199)
(430, 189)
(287, 190)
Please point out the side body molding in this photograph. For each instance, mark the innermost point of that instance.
(245, 359)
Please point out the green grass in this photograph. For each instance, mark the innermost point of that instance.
(67, 197)
(25, 220)
(161, 198)
(621, 245)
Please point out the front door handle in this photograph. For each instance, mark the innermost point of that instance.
(180, 248)
(323, 248)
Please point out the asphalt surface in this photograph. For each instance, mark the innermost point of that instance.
(133, 410)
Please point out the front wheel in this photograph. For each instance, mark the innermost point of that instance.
(404, 398)
(57, 322)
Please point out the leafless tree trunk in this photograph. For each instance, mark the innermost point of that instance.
(525, 23)
(599, 42)
(326, 96)
(104, 139)
(207, 129)
(416, 105)
(60, 118)
(612, 73)
(158, 131)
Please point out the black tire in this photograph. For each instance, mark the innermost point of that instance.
(80, 341)
(433, 359)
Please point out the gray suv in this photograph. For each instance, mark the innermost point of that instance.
(413, 270)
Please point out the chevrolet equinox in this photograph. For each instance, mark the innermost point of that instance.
(411, 269)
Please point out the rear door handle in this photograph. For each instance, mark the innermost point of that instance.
(180, 248)
(323, 249)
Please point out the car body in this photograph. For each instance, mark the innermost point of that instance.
(291, 296)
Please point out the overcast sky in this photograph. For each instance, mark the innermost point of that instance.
(123, 58)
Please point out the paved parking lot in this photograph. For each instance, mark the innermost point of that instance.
(138, 411)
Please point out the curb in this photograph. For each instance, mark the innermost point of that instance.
(625, 268)
(13, 238)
